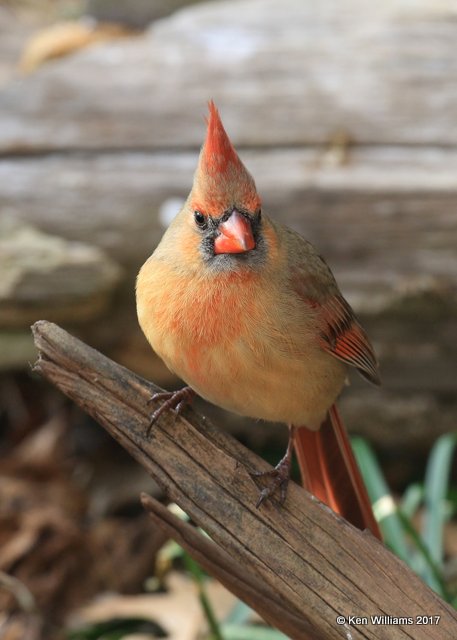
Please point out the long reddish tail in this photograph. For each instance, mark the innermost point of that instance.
(329, 471)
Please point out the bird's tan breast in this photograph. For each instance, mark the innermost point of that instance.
(188, 318)
(239, 343)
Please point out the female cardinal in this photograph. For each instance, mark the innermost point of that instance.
(250, 316)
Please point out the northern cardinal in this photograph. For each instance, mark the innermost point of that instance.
(249, 315)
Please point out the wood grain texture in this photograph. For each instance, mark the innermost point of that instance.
(41, 273)
(309, 560)
(221, 565)
(383, 219)
(385, 222)
(343, 111)
(296, 71)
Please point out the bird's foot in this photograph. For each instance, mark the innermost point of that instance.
(173, 400)
(280, 477)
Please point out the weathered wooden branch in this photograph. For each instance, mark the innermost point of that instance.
(300, 565)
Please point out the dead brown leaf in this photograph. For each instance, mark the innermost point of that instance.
(178, 611)
(65, 38)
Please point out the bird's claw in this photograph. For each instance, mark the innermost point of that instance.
(280, 477)
(173, 400)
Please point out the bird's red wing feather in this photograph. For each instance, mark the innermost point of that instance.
(341, 335)
(325, 457)
(337, 328)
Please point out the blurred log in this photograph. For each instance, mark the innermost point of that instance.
(386, 210)
(45, 274)
(346, 124)
(13, 34)
(303, 558)
(384, 221)
(352, 150)
(344, 65)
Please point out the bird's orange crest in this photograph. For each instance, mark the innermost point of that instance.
(218, 151)
(221, 179)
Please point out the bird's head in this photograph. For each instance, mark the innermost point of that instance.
(223, 213)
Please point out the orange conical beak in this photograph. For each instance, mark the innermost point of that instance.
(235, 235)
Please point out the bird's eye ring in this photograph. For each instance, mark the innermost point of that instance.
(200, 219)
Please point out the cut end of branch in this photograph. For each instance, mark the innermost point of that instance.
(38, 328)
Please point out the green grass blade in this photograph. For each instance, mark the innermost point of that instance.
(436, 511)
(384, 507)
(423, 563)
(239, 614)
(411, 500)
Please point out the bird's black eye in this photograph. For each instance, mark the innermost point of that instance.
(200, 219)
